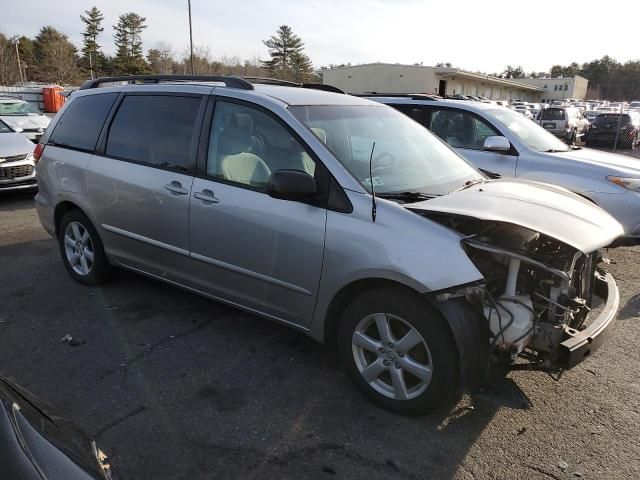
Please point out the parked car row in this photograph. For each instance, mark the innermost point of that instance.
(21, 125)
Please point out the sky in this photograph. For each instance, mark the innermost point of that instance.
(474, 35)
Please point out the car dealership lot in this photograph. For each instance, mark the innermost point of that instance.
(172, 385)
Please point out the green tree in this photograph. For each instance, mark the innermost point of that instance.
(92, 57)
(55, 58)
(129, 57)
(514, 72)
(160, 59)
(301, 67)
(286, 50)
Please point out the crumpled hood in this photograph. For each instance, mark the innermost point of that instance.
(12, 144)
(26, 122)
(596, 157)
(547, 209)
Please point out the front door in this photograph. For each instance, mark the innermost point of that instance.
(248, 248)
(139, 184)
(466, 133)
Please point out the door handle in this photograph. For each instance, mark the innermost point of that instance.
(175, 187)
(207, 196)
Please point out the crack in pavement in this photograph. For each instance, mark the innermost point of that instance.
(136, 411)
(169, 338)
(543, 471)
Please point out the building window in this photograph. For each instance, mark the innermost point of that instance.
(546, 86)
(566, 87)
(555, 88)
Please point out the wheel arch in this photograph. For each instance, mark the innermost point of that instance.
(346, 294)
(62, 208)
(468, 327)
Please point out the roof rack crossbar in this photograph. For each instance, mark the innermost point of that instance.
(229, 81)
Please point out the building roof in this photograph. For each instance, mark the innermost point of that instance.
(450, 72)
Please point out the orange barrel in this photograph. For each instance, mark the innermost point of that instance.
(52, 98)
(58, 98)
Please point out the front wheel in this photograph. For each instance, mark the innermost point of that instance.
(399, 351)
(81, 249)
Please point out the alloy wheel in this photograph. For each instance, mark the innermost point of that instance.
(392, 356)
(78, 248)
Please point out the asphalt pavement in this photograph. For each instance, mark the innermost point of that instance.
(175, 386)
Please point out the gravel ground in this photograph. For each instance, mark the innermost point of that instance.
(174, 386)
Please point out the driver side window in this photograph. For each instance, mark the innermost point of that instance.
(461, 129)
(246, 145)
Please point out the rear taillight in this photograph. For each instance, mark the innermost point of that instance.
(37, 153)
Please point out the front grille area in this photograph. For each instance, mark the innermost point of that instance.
(15, 158)
(9, 173)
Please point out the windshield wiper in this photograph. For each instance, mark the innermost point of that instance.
(555, 150)
(407, 196)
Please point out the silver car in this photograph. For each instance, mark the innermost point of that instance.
(17, 167)
(23, 117)
(502, 143)
(337, 216)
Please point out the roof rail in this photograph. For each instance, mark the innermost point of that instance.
(229, 81)
(288, 83)
(412, 96)
(323, 87)
(12, 97)
(270, 81)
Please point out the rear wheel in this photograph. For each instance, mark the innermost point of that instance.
(399, 351)
(81, 249)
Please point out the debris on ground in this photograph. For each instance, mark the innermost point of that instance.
(74, 342)
(562, 465)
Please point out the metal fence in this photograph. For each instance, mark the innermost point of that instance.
(31, 94)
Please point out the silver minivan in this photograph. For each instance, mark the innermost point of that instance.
(335, 215)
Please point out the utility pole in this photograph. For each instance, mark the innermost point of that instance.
(190, 37)
(615, 143)
(18, 56)
(90, 64)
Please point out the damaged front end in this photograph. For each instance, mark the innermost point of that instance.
(547, 304)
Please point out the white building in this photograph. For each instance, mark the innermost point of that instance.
(396, 78)
(560, 88)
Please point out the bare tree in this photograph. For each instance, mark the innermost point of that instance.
(9, 73)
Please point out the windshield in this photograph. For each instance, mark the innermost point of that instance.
(4, 128)
(17, 109)
(531, 134)
(407, 157)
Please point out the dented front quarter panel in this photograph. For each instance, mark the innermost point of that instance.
(399, 246)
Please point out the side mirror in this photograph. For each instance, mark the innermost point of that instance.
(17, 129)
(497, 144)
(291, 185)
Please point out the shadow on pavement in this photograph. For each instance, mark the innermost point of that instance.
(173, 385)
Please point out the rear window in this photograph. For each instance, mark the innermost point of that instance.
(82, 121)
(154, 129)
(552, 114)
(605, 118)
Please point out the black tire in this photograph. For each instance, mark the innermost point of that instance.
(99, 269)
(434, 330)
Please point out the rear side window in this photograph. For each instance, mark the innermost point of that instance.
(552, 114)
(82, 121)
(154, 129)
